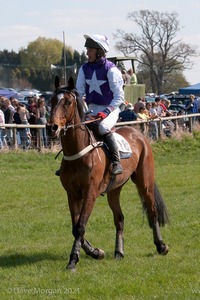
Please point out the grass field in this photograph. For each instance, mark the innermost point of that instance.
(36, 237)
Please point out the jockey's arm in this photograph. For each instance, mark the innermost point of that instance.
(116, 85)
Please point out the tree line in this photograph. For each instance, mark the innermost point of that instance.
(31, 67)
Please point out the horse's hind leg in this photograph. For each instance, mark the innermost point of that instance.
(162, 248)
(162, 219)
(154, 207)
(114, 203)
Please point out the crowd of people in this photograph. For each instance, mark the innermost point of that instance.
(14, 112)
(149, 111)
(36, 112)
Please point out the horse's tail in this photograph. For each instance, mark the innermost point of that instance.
(162, 214)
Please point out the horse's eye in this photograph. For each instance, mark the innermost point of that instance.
(67, 102)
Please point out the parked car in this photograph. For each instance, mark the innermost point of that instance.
(174, 107)
(149, 99)
(179, 99)
(29, 93)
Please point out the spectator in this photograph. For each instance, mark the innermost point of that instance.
(198, 104)
(127, 114)
(163, 103)
(2, 129)
(23, 114)
(153, 126)
(8, 113)
(143, 115)
(23, 138)
(14, 102)
(160, 108)
(41, 119)
(25, 132)
(198, 107)
(148, 106)
(133, 77)
(32, 106)
(191, 106)
(16, 120)
(138, 104)
(126, 77)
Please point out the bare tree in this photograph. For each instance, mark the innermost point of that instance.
(157, 48)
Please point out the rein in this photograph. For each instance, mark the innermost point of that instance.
(82, 123)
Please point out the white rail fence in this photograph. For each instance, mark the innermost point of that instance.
(14, 128)
(186, 118)
(189, 118)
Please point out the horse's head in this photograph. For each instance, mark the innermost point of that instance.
(65, 110)
(58, 92)
(64, 104)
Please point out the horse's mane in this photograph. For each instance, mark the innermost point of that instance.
(80, 106)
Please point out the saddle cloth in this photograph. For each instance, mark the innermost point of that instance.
(123, 146)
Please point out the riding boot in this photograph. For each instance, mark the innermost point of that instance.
(111, 143)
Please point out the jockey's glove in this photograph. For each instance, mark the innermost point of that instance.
(103, 114)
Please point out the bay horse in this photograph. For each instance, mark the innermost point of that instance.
(85, 175)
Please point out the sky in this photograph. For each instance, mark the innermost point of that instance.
(23, 22)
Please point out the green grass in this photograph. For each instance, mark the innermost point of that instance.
(36, 239)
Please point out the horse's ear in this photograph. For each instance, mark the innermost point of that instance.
(57, 81)
(71, 84)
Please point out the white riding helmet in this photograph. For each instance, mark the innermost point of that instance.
(98, 41)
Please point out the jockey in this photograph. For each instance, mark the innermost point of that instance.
(101, 83)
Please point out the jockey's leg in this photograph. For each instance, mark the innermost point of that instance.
(110, 141)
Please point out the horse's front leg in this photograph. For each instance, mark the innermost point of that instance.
(91, 251)
(114, 203)
(74, 256)
(79, 221)
(95, 253)
(75, 206)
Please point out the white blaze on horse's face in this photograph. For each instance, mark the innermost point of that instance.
(60, 96)
(58, 119)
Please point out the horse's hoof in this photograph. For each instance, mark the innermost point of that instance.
(118, 255)
(165, 250)
(101, 253)
(71, 267)
(162, 248)
(72, 262)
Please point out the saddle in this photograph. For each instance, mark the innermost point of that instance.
(123, 146)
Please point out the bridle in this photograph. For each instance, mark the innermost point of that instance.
(69, 123)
